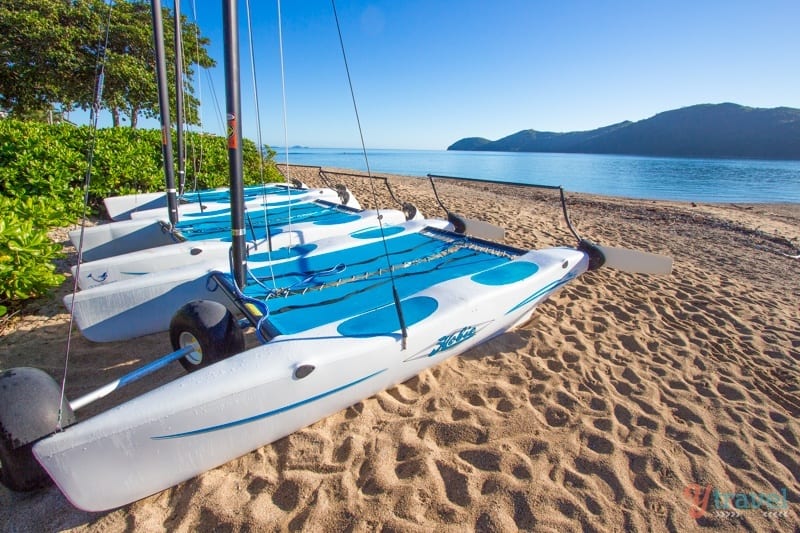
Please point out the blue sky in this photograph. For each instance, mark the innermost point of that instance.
(427, 73)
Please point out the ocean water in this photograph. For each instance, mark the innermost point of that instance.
(658, 178)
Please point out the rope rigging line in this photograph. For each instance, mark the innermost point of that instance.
(375, 177)
(220, 122)
(95, 112)
(180, 110)
(260, 145)
(259, 312)
(395, 295)
(197, 160)
(285, 111)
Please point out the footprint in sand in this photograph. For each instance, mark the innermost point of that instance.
(733, 455)
(623, 415)
(287, 496)
(413, 468)
(604, 472)
(603, 424)
(730, 392)
(521, 472)
(791, 464)
(599, 444)
(445, 434)
(692, 449)
(567, 401)
(598, 404)
(257, 486)
(523, 517)
(538, 447)
(482, 459)
(476, 400)
(556, 416)
(455, 484)
(344, 452)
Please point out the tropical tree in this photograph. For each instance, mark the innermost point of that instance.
(130, 86)
(42, 53)
(50, 51)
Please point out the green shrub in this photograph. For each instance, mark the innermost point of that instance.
(42, 173)
(26, 253)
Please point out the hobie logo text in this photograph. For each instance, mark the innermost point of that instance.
(457, 337)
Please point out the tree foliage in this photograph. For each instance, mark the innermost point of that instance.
(42, 52)
(50, 51)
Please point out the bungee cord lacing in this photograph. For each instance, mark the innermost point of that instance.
(449, 247)
(450, 261)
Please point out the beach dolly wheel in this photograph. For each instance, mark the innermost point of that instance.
(211, 327)
(29, 405)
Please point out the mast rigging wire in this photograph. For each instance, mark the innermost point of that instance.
(285, 112)
(395, 295)
(180, 111)
(98, 98)
(197, 161)
(259, 146)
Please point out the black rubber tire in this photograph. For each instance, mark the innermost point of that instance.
(19, 469)
(29, 403)
(409, 210)
(213, 326)
(344, 194)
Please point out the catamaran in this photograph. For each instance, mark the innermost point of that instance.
(329, 338)
(199, 239)
(153, 284)
(152, 229)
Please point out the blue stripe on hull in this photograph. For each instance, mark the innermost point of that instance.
(268, 414)
(543, 291)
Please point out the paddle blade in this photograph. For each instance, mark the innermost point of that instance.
(476, 228)
(635, 261)
(484, 230)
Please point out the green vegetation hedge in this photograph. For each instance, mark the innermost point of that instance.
(42, 173)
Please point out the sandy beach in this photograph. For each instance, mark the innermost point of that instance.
(627, 403)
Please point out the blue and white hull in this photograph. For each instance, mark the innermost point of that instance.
(328, 356)
(130, 205)
(143, 297)
(151, 228)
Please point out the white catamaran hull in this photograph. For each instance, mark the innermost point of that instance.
(211, 416)
(121, 207)
(125, 236)
(144, 304)
(124, 206)
(181, 254)
(193, 209)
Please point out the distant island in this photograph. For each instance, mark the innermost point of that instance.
(705, 130)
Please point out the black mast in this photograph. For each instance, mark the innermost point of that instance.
(163, 104)
(179, 97)
(234, 113)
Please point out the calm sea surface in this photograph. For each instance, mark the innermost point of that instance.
(703, 180)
